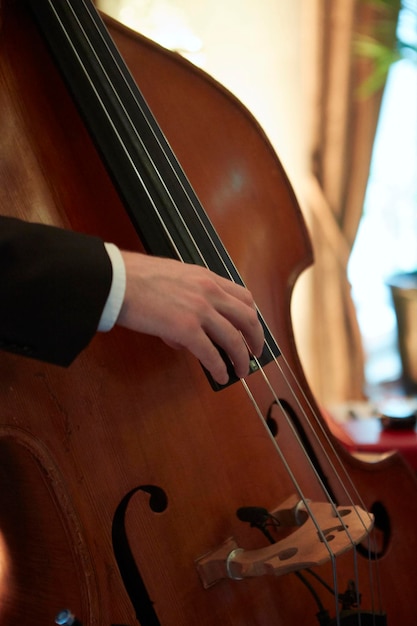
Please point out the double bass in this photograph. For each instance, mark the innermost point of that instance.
(133, 489)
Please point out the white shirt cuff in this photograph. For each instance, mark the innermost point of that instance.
(117, 290)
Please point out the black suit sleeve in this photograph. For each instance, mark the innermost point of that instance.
(54, 285)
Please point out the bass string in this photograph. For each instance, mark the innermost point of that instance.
(298, 489)
(292, 387)
(303, 497)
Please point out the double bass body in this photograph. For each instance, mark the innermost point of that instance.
(120, 472)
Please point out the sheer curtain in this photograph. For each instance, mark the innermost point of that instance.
(343, 126)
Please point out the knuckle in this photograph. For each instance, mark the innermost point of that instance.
(208, 286)
(253, 318)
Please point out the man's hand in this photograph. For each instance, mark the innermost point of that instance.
(191, 307)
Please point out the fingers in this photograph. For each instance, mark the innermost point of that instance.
(209, 356)
(231, 322)
(191, 307)
(203, 344)
(244, 318)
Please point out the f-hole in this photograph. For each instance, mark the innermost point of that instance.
(126, 563)
(381, 533)
(292, 415)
